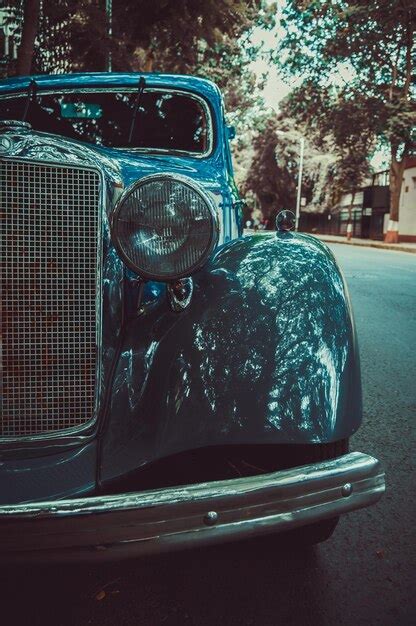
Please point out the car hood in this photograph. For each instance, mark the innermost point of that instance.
(135, 164)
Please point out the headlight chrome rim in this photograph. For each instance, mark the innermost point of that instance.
(191, 184)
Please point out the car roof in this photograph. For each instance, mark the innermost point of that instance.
(195, 84)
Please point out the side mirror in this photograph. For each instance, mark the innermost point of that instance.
(285, 221)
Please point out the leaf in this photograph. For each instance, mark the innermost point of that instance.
(380, 553)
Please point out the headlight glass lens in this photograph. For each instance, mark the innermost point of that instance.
(165, 227)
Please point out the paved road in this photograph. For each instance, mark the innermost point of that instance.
(366, 574)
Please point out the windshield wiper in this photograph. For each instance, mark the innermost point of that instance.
(31, 95)
(141, 87)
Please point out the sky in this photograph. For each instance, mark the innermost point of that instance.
(275, 88)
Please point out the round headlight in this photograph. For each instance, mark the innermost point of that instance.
(165, 227)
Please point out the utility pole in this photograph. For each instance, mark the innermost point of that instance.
(299, 188)
(109, 12)
(299, 193)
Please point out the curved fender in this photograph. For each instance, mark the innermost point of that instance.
(265, 353)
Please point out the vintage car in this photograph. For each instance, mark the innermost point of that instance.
(166, 381)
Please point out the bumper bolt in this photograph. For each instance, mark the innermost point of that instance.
(211, 518)
(346, 490)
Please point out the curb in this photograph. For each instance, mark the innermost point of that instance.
(373, 244)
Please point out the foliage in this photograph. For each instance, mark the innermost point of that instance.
(339, 125)
(356, 58)
(273, 173)
(273, 184)
(202, 37)
(179, 35)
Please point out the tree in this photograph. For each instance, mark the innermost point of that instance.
(273, 183)
(366, 49)
(337, 126)
(272, 175)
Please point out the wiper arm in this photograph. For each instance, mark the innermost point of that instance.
(31, 95)
(141, 87)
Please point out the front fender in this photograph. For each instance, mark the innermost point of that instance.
(265, 353)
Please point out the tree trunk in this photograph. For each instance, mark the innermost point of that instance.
(350, 227)
(396, 178)
(29, 32)
(351, 206)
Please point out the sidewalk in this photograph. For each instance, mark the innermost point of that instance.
(369, 243)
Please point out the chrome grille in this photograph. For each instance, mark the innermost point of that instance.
(49, 217)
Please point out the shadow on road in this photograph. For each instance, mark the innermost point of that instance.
(256, 582)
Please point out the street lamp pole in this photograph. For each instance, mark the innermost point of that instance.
(299, 190)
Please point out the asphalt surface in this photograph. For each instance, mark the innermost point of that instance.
(366, 574)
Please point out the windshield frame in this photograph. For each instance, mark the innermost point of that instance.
(133, 89)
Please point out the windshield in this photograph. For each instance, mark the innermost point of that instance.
(166, 120)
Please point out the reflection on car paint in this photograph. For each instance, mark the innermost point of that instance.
(267, 352)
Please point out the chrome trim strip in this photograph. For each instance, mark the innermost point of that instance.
(57, 435)
(176, 517)
(191, 94)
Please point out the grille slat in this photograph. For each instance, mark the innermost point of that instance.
(49, 217)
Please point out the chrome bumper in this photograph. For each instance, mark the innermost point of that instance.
(154, 521)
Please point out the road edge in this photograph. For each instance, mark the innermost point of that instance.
(373, 244)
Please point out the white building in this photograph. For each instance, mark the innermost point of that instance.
(407, 206)
(370, 209)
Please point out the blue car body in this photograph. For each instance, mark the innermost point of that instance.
(264, 355)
